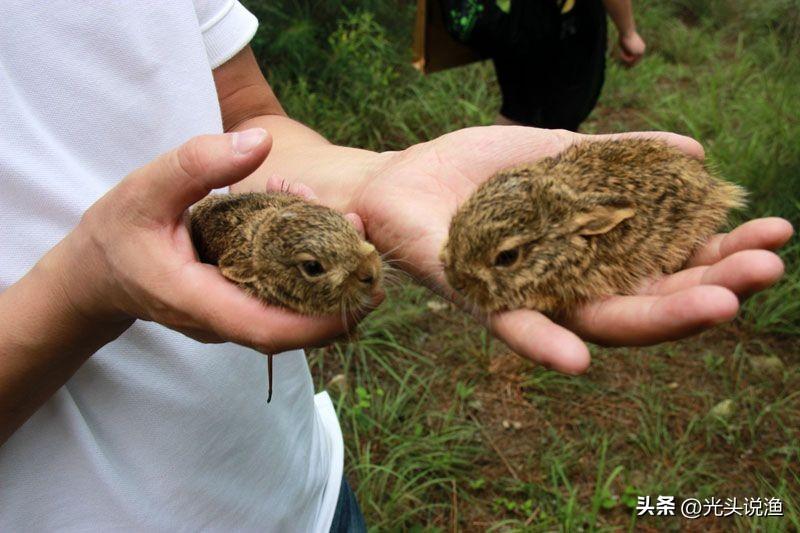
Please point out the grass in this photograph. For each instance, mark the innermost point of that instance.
(444, 428)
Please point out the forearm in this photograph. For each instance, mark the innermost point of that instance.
(621, 13)
(44, 339)
(299, 154)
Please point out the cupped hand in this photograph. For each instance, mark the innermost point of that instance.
(131, 256)
(631, 48)
(407, 204)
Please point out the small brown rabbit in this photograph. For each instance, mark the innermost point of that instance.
(596, 220)
(287, 251)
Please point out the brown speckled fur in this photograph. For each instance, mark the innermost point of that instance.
(260, 240)
(595, 220)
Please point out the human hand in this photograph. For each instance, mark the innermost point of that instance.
(131, 256)
(407, 205)
(631, 48)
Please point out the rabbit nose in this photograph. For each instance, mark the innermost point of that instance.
(368, 272)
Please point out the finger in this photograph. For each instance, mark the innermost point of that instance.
(744, 273)
(174, 181)
(276, 183)
(533, 335)
(357, 223)
(223, 308)
(643, 320)
(626, 57)
(762, 233)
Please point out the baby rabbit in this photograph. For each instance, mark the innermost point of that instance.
(596, 220)
(287, 251)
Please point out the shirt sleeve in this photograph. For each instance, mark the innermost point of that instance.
(227, 26)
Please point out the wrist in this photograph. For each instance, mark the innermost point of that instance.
(336, 174)
(341, 175)
(54, 326)
(79, 283)
(371, 165)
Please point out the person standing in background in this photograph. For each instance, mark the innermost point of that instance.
(549, 55)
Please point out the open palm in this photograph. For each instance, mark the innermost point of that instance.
(407, 205)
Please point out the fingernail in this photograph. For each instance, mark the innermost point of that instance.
(245, 141)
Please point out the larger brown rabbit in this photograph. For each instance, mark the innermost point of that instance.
(596, 220)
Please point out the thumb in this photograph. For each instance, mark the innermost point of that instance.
(172, 182)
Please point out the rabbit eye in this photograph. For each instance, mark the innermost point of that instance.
(506, 258)
(312, 268)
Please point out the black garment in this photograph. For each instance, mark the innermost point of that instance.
(550, 66)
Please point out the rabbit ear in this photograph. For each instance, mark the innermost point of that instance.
(277, 184)
(601, 219)
(237, 266)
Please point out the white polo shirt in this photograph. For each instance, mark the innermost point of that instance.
(155, 432)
